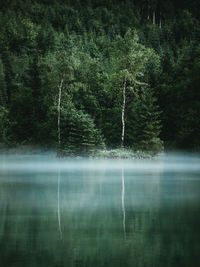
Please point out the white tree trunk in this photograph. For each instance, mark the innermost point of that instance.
(154, 17)
(59, 101)
(123, 111)
(123, 203)
(160, 23)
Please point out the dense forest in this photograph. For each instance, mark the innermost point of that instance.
(111, 73)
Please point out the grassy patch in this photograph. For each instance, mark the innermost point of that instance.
(123, 153)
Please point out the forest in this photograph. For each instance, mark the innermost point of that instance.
(76, 75)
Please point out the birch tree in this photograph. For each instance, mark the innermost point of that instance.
(61, 66)
(67, 76)
(129, 59)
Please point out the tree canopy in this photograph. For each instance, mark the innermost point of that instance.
(127, 68)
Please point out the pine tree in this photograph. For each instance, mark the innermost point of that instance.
(146, 125)
(79, 136)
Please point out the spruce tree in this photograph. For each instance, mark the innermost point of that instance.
(79, 135)
(146, 127)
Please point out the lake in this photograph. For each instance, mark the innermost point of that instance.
(86, 212)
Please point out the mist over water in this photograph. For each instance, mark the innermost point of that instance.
(89, 212)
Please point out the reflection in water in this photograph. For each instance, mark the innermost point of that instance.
(59, 213)
(123, 205)
(59, 218)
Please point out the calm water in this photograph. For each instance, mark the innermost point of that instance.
(99, 213)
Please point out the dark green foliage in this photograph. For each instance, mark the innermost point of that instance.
(143, 132)
(3, 99)
(179, 96)
(79, 134)
(4, 125)
(91, 46)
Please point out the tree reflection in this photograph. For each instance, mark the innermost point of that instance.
(123, 203)
(58, 206)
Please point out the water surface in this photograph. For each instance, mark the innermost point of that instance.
(86, 212)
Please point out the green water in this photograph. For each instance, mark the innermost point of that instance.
(99, 213)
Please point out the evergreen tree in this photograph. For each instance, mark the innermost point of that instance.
(79, 134)
(145, 129)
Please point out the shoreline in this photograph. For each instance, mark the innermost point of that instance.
(117, 153)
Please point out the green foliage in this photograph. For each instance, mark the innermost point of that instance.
(4, 125)
(79, 134)
(144, 114)
(3, 99)
(122, 153)
(132, 63)
(179, 97)
(93, 48)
